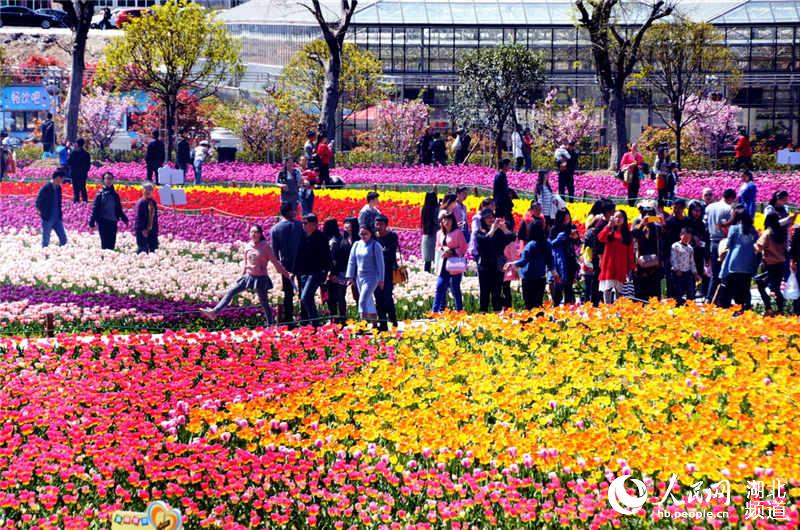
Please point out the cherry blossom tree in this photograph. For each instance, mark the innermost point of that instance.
(100, 115)
(713, 124)
(257, 126)
(397, 127)
(557, 125)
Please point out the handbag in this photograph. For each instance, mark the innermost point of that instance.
(456, 265)
(400, 274)
(648, 261)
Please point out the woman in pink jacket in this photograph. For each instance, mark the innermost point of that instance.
(451, 247)
(631, 167)
(617, 261)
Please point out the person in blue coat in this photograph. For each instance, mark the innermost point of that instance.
(563, 238)
(747, 193)
(367, 268)
(740, 262)
(536, 260)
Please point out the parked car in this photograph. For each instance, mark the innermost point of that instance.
(22, 16)
(98, 18)
(56, 14)
(126, 15)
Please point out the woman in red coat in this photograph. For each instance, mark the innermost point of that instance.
(617, 260)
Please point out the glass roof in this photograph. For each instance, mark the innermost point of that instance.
(504, 12)
(485, 12)
(758, 11)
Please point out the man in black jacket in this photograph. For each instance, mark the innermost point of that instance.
(183, 155)
(313, 262)
(503, 204)
(146, 227)
(48, 134)
(48, 202)
(384, 296)
(79, 163)
(106, 212)
(286, 236)
(154, 157)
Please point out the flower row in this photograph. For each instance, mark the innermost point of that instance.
(475, 422)
(593, 183)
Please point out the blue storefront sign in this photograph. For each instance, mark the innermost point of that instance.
(29, 98)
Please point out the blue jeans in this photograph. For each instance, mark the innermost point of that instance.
(198, 172)
(443, 283)
(58, 226)
(309, 283)
(239, 287)
(366, 295)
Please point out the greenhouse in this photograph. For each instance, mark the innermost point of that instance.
(419, 43)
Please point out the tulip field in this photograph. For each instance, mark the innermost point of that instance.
(593, 183)
(459, 422)
(487, 422)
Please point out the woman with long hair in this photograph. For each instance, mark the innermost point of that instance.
(336, 286)
(701, 241)
(598, 218)
(450, 245)
(740, 263)
(772, 246)
(491, 241)
(661, 167)
(429, 224)
(617, 262)
(366, 267)
(563, 238)
(546, 198)
(648, 235)
(257, 254)
(351, 228)
(533, 264)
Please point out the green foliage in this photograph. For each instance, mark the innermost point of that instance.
(493, 83)
(360, 83)
(180, 46)
(28, 152)
(681, 57)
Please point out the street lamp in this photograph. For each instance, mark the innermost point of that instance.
(52, 85)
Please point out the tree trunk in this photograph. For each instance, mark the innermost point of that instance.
(80, 33)
(171, 106)
(618, 130)
(677, 118)
(330, 100)
(498, 141)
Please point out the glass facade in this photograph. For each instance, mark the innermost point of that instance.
(420, 42)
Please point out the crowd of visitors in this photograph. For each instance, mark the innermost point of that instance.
(705, 248)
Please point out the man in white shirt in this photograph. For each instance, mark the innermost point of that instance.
(516, 147)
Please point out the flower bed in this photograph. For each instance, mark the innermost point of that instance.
(597, 183)
(464, 423)
(124, 290)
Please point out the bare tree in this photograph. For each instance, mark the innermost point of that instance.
(333, 33)
(616, 48)
(79, 19)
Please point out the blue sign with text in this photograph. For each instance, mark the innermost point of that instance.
(25, 98)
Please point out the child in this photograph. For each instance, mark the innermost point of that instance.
(306, 196)
(684, 270)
